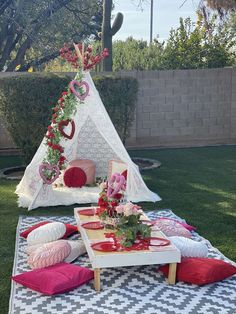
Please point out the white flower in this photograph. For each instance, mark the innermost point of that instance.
(103, 185)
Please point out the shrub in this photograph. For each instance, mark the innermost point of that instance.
(26, 103)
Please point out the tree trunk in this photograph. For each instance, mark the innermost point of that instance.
(20, 55)
(106, 34)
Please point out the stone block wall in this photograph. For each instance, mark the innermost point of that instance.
(180, 108)
(185, 108)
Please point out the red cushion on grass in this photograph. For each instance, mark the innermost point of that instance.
(55, 279)
(201, 271)
(75, 177)
(70, 229)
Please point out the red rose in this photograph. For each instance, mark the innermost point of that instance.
(62, 159)
(50, 128)
(114, 203)
(54, 116)
(53, 121)
(55, 109)
(61, 99)
(118, 196)
(102, 203)
(50, 135)
(64, 93)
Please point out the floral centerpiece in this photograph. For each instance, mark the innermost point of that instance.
(129, 226)
(121, 216)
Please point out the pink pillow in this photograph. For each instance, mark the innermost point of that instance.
(185, 225)
(88, 166)
(201, 271)
(70, 229)
(172, 228)
(75, 177)
(55, 279)
(49, 254)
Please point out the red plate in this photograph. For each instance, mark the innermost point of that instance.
(154, 241)
(105, 246)
(87, 212)
(93, 225)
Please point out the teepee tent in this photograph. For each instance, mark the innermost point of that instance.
(95, 138)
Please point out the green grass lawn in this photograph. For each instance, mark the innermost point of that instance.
(198, 184)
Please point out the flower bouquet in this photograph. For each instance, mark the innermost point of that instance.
(129, 226)
(111, 195)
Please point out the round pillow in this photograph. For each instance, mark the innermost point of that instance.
(49, 254)
(190, 248)
(46, 233)
(31, 248)
(77, 249)
(87, 165)
(75, 177)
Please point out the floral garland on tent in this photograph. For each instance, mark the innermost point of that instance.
(78, 90)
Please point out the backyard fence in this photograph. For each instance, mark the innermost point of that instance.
(178, 108)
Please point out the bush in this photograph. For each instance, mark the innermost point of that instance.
(119, 96)
(26, 103)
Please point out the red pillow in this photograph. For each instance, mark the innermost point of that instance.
(75, 177)
(70, 229)
(55, 279)
(201, 271)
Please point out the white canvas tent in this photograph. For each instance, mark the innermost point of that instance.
(96, 139)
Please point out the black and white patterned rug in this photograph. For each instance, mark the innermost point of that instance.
(125, 290)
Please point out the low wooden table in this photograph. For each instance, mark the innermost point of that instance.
(162, 255)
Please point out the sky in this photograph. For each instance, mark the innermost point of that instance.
(166, 14)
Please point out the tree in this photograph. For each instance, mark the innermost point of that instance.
(109, 31)
(206, 45)
(190, 46)
(31, 32)
(135, 54)
(221, 4)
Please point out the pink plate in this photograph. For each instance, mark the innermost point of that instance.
(154, 241)
(87, 212)
(105, 246)
(93, 225)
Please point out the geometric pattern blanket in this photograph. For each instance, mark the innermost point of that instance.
(125, 290)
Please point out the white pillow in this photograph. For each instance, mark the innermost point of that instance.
(49, 254)
(46, 233)
(77, 249)
(189, 248)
